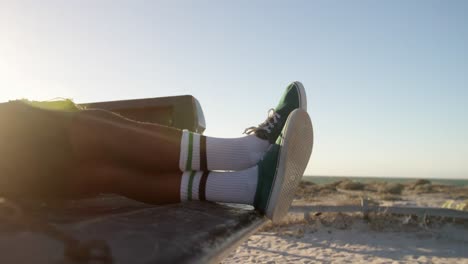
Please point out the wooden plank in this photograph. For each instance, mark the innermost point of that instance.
(183, 112)
(193, 232)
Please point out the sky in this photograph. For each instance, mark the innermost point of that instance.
(386, 81)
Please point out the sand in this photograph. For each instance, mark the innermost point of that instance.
(349, 238)
(356, 241)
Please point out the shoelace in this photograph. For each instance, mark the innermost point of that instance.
(269, 123)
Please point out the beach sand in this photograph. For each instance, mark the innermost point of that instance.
(349, 238)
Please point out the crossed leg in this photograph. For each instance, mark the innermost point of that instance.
(94, 151)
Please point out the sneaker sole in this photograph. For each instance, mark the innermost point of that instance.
(302, 95)
(294, 155)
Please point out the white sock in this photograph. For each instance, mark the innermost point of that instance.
(227, 187)
(203, 153)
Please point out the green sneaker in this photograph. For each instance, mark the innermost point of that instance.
(293, 98)
(281, 169)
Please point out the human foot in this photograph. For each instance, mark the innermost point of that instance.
(282, 167)
(293, 98)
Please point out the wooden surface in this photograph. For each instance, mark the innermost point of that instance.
(183, 112)
(193, 232)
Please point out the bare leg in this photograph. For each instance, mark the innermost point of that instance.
(43, 151)
(105, 137)
(88, 152)
(160, 188)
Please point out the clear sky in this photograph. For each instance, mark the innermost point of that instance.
(387, 81)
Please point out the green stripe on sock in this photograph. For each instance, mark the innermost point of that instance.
(190, 183)
(188, 165)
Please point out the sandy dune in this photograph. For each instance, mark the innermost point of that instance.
(354, 242)
(348, 238)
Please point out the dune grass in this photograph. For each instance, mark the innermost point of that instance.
(59, 104)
